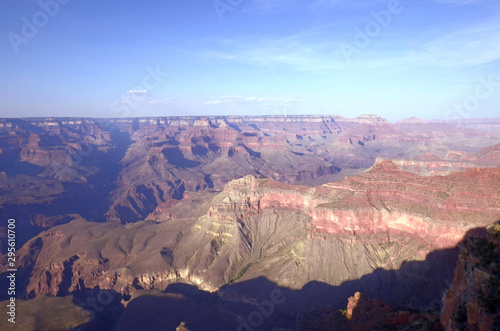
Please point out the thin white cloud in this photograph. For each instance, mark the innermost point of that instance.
(315, 50)
(468, 47)
(237, 99)
(273, 52)
(136, 92)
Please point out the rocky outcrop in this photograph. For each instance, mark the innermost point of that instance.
(182, 327)
(365, 313)
(432, 168)
(472, 301)
(428, 164)
(395, 202)
(488, 156)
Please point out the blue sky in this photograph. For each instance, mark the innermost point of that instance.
(434, 59)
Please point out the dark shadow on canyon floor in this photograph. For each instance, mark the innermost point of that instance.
(90, 200)
(259, 304)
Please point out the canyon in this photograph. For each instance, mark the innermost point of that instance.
(122, 169)
(219, 213)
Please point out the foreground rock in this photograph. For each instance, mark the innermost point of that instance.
(365, 313)
(473, 300)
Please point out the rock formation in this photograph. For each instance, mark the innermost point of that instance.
(473, 298)
(365, 313)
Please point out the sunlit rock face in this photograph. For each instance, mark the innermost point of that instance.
(429, 164)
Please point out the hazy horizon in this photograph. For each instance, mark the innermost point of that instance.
(432, 120)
